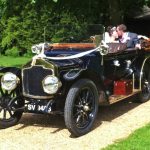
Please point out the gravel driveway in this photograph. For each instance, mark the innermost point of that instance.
(38, 132)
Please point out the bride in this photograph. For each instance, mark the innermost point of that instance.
(111, 36)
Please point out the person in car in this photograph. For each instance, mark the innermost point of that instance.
(131, 39)
(110, 35)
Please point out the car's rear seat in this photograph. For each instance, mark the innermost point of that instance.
(116, 47)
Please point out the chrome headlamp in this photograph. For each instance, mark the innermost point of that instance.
(36, 49)
(9, 81)
(50, 84)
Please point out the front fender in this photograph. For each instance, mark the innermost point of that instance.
(16, 71)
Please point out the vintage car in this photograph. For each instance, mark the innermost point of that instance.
(73, 79)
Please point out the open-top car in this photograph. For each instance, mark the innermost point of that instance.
(73, 79)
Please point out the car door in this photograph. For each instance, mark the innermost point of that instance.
(119, 66)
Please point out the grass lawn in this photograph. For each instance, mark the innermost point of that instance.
(139, 140)
(13, 61)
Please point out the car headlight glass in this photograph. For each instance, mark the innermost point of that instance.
(9, 81)
(50, 84)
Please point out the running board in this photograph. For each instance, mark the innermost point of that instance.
(116, 98)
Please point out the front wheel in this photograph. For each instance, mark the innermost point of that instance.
(9, 105)
(81, 107)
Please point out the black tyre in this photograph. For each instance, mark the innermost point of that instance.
(81, 107)
(9, 103)
(145, 86)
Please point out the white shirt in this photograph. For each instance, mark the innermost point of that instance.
(125, 38)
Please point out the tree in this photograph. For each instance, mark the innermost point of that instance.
(24, 23)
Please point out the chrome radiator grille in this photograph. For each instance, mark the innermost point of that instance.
(32, 81)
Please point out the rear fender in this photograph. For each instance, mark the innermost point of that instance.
(145, 67)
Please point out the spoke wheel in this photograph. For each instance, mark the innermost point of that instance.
(8, 114)
(145, 94)
(81, 107)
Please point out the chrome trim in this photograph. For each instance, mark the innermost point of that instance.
(39, 66)
(141, 72)
(37, 97)
(133, 78)
(33, 62)
(34, 66)
(33, 96)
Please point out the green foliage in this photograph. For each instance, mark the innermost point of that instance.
(69, 28)
(26, 28)
(147, 2)
(33, 21)
(11, 32)
(129, 7)
(14, 51)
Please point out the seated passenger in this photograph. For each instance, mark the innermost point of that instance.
(128, 37)
(110, 35)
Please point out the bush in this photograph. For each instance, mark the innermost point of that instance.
(70, 29)
(23, 25)
(14, 51)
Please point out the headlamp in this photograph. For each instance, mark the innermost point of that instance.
(50, 84)
(9, 81)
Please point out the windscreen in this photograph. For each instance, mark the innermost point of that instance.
(74, 34)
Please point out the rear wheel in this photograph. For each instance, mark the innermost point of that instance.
(145, 86)
(81, 107)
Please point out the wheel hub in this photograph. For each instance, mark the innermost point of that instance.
(86, 108)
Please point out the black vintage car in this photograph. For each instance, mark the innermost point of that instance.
(73, 79)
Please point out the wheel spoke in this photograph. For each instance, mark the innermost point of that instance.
(10, 113)
(75, 115)
(80, 99)
(89, 101)
(85, 117)
(15, 105)
(78, 106)
(87, 96)
(4, 114)
(82, 118)
(91, 109)
(78, 119)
